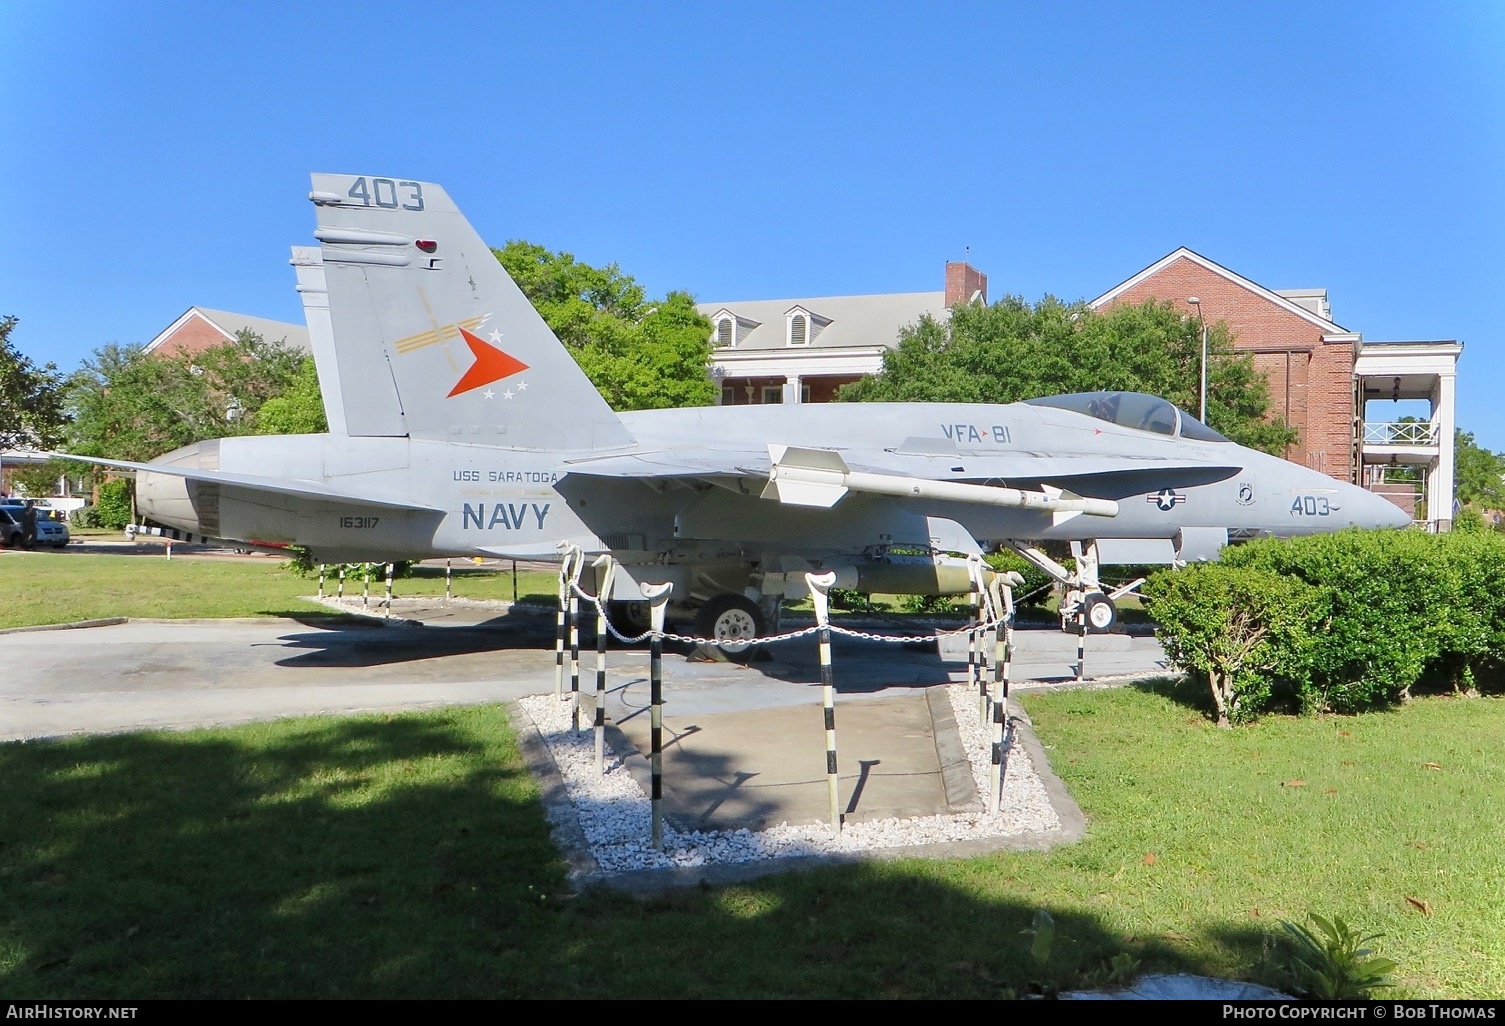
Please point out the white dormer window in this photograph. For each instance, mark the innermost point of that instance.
(799, 330)
(802, 327)
(730, 330)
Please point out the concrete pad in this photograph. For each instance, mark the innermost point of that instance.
(726, 771)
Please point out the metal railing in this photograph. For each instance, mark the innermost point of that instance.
(1401, 432)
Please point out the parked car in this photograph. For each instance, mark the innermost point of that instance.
(49, 531)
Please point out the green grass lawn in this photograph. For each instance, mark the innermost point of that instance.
(66, 587)
(405, 856)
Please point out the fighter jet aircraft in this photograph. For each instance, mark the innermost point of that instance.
(460, 426)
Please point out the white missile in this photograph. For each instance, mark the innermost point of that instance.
(820, 477)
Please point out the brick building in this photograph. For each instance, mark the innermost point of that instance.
(200, 328)
(1307, 358)
(1323, 377)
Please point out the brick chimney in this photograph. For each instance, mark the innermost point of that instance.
(963, 281)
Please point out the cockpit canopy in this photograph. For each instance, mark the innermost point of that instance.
(1133, 410)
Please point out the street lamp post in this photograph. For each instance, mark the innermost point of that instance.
(1202, 390)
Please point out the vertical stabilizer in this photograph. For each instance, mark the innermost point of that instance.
(432, 338)
(315, 295)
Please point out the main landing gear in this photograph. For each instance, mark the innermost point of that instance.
(735, 621)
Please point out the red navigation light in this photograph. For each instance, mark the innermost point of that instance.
(427, 245)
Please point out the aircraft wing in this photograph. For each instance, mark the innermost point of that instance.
(277, 485)
(1023, 467)
(822, 477)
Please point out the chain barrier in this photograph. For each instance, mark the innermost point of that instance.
(914, 639)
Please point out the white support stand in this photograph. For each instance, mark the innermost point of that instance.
(606, 572)
(820, 587)
(658, 597)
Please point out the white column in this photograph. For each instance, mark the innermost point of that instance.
(1440, 482)
(792, 389)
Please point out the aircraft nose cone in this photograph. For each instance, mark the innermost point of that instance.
(1371, 510)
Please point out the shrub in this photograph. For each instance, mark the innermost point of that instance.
(928, 603)
(1035, 590)
(1401, 603)
(848, 598)
(114, 508)
(301, 562)
(1244, 630)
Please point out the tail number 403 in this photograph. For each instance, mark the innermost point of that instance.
(383, 192)
(1310, 506)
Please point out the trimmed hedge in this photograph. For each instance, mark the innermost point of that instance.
(1391, 610)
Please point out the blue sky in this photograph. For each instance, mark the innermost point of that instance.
(157, 154)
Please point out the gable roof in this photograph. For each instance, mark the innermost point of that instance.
(846, 321)
(230, 324)
(1269, 295)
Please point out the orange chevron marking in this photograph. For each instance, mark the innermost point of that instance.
(491, 365)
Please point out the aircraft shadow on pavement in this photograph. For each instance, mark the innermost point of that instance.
(361, 643)
(858, 666)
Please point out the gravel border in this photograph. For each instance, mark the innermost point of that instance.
(601, 826)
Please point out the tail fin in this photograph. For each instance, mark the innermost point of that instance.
(432, 338)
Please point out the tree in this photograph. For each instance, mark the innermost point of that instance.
(1013, 350)
(1479, 473)
(135, 406)
(640, 354)
(31, 397)
(39, 479)
(297, 411)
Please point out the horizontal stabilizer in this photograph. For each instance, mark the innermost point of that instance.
(276, 485)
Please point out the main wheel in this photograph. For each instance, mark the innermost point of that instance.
(630, 617)
(733, 620)
(1102, 614)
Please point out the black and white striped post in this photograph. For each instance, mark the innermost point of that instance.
(366, 587)
(340, 594)
(658, 597)
(1002, 587)
(606, 572)
(389, 590)
(448, 590)
(981, 613)
(820, 587)
(568, 554)
(1081, 636)
(575, 569)
(321, 582)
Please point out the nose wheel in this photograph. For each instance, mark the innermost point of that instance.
(1102, 614)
